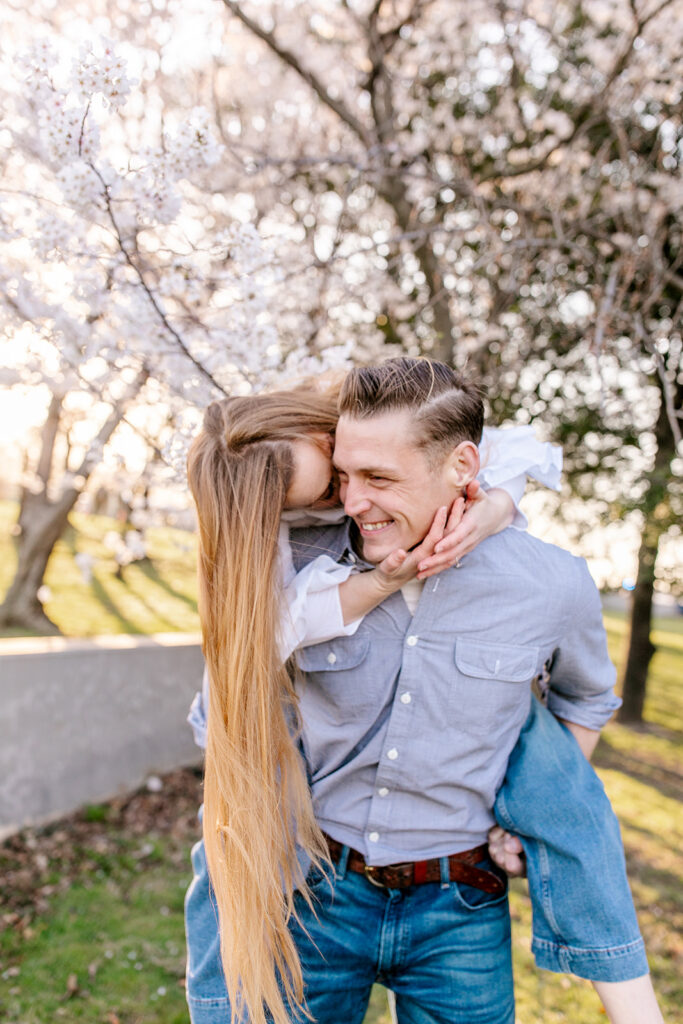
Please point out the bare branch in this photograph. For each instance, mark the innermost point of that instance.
(582, 117)
(308, 76)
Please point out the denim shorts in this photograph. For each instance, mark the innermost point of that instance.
(584, 921)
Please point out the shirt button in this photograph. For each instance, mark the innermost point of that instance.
(383, 791)
(374, 837)
(331, 658)
(392, 754)
(406, 698)
(411, 641)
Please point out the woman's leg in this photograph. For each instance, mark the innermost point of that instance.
(583, 916)
(207, 995)
(630, 1002)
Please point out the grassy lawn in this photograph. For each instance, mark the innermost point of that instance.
(91, 924)
(156, 595)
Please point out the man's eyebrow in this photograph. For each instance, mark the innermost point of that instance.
(369, 470)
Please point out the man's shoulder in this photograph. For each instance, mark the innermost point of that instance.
(518, 552)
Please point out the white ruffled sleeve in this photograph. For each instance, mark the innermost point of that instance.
(311, 609)
(511, 454)
(199, 710)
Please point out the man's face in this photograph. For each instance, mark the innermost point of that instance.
(388, 485)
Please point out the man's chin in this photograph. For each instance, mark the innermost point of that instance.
(376, 549)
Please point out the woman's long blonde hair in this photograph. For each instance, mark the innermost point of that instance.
(257, 804)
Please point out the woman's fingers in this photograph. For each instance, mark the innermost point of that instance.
(507, 852)
(455, 515)
(436, 532)
(451, 548)
(393, 562)
(401, 563)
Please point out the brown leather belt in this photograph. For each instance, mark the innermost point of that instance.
(461, 867)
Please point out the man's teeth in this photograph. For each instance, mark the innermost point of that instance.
(369, 527)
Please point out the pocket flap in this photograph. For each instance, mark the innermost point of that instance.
(334, 655)
(507, 662)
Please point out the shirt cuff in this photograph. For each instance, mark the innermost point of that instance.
(312, 613)
(593, 714)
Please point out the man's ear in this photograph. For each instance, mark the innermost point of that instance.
(462, 464)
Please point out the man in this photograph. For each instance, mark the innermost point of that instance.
(407, 726)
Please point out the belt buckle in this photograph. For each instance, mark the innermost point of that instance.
(367, 869)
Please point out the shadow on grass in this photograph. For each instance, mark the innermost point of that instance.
(666, 781)
(100, 594)
(149, 569)
(666, 883)
(133, 582)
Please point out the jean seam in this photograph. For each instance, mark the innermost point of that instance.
(462, 902)
(601, 951)
(502, 812)
(544, 871)
(219, 1002)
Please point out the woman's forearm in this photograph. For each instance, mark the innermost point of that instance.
(363, 591)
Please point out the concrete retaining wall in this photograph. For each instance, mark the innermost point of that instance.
(84, 720)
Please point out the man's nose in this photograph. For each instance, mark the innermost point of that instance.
(354, 498)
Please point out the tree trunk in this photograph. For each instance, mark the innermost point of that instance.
(42, 524)
(42, 521)
(641, 648)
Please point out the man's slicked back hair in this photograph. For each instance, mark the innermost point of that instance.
(447, 406)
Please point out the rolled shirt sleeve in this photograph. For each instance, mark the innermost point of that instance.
(582, 676)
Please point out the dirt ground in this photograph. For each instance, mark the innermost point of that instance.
(36, 863)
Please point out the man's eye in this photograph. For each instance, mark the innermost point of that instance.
(378, 479)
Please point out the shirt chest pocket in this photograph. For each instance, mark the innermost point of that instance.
(336, 672)
(491, 683)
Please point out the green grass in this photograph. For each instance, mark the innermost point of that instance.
(106, 950)
(157, 595)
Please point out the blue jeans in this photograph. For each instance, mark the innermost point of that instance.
(444, 949)
(584, 921)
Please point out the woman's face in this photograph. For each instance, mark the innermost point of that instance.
(314, 484)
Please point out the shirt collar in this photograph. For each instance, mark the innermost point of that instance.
(349, 555)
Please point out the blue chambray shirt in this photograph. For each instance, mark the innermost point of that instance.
(408, 724)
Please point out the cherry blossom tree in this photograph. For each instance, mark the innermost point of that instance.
(493, 182)
(113, 288)
(500, 180)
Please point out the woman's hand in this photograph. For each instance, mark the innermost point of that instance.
(469, 522)
(400, 566)
(363, 591)
(507, 852)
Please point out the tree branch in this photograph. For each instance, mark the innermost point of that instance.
(308, 76)
(147, 290)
